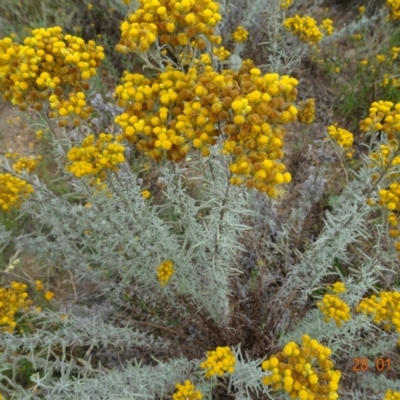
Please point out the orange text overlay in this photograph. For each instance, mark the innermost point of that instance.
(363, 364)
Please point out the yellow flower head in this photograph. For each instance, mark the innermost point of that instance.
(219, 361)
(186, 391)
(305, 28)
(146, 194)
(391, 395)
(12, 300)
(301, 370)
(49, 295)
(334, 308)
(327, 26)
(96, 157)
(394, 9)
(285, 4)
(13, 191)
(240, 34)
(165, 271)
(49, 71)
(384, 309)
(341, 136)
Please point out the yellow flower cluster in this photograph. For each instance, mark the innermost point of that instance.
(285, 4)
(174, 22)
(337, 287)
(380, 58)
(45, 68)
(186, 392)
(75, 105)
(219, 361)
(394, 9)
(306, 28)
(27, 164)
(165, 271)
(385, 308)
(391, 395)
(240, 34)
(382, 118)
(304, 372)
(13, 191)
(306, 113)
(96, 157)
(394, 51)
(221, 53)
(327, 26)
(342, 137)
(334, 307)
(21, 164)
(177, 111)
(12, 300)
(390, 198)
(39, 285)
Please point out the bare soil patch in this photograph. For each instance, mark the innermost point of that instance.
(15, 133)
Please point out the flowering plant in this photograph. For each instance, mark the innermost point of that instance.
(174, 235)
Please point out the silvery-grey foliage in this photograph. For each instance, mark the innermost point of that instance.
(268, 40)
(345, 225)
(311, 192)
(116, 245)
(5, 237)
(106, 111)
